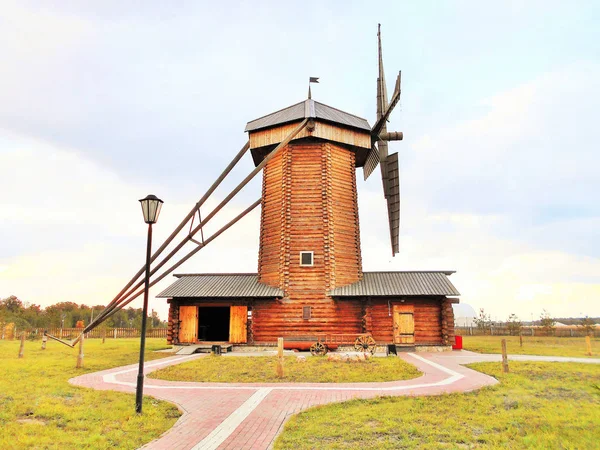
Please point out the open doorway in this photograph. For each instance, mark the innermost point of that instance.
(213, 323)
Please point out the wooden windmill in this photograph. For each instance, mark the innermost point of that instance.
(310, 277)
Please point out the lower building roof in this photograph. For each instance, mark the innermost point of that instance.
(220, 285)
(387, 284)
(373, 284)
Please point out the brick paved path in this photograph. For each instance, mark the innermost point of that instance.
(249, 416)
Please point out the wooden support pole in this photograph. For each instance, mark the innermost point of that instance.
(80, 355)
(22, 347)
(504, 357)
(114, 333)
(588, 344)
(44, 340)
(280, 357)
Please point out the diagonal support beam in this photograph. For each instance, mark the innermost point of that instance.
(118, 301)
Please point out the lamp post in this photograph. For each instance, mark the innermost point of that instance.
(151, 206)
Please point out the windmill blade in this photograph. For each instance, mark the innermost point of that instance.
(381, 121)
(392, 195)
(371, 162)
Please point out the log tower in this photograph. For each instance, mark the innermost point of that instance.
(309, 234)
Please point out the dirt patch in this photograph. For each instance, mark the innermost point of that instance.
(32, 421)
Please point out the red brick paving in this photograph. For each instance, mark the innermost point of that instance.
(210, 407)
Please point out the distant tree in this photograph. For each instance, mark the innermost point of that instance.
(483, 320)
(11, 304)
(514, 325)
(587, 324)
(547, 322)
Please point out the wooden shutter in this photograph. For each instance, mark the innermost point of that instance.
(238, 319)
(188, 324)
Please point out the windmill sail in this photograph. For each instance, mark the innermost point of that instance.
(392, 195)
(371, 162)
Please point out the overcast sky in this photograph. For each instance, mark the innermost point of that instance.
(101, 105)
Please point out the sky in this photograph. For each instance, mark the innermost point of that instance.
(104, 103)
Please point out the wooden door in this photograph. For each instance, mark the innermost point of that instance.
(404, 324)
(188, 324)
(238, 319)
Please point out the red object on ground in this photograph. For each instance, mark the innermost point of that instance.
(458, 343)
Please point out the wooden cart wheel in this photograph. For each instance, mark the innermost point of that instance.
(365, 344)
(318, 349)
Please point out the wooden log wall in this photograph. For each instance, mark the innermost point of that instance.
(447, 322)
(427, 317)
(173, 323)
(280, 318)
(309, 204)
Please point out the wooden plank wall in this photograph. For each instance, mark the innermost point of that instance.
(428, 320)
(323, 130)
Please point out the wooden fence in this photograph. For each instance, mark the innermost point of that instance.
(96, 333)
(525, 331)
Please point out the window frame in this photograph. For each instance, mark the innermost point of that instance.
(312, 258)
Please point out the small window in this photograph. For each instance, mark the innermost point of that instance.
(306, 258)
(306, 310)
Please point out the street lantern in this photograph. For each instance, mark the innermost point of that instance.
(151, 206)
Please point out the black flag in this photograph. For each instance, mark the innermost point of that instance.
(314, 80)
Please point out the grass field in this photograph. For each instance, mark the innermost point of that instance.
(262, 369)
(546, 346)
(39, 409)
(537, 405)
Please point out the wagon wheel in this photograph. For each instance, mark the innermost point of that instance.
(318, 349)
(365, 344)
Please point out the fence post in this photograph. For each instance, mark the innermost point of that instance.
(80, 355)
(104, 336)
(114, 333)
(280, 357)
(532, 332)
(22, 347)
(44, 340)
(521, 339)
(504, 357)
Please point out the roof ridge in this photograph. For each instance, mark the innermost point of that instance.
(447, 272)
(214, 274)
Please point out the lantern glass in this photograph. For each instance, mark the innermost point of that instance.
(151, 206)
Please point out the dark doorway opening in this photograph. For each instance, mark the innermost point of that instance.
(213, 323)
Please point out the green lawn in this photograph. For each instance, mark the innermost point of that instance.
(546, 346)
(262, 369)
(39, 409)
(537, 405)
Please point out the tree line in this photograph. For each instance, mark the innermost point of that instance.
(67, 314)
(546, 322)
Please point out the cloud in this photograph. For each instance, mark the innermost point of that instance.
(72, 230)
